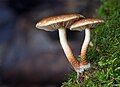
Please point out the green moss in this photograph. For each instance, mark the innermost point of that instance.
(106, 60)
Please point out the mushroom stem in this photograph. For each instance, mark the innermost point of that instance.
(67, 50)
(85, 46)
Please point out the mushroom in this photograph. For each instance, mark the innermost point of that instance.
(85, 24)
(61, 22)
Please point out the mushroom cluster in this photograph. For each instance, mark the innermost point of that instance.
(72, 22)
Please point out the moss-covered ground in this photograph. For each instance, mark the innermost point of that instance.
(105, 55)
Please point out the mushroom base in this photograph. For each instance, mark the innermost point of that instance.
(82, 68)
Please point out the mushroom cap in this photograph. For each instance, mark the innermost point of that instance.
(85, 23)
(54, 22)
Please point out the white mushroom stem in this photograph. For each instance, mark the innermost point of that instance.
(67, 50)
(85, 46)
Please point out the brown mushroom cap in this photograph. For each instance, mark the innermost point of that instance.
(85, 23)
(56, 22)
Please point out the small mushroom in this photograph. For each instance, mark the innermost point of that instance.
(61, 22)
(85, 24)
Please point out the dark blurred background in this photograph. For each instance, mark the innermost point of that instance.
(34, 57)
